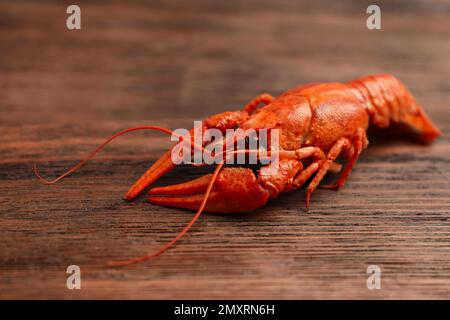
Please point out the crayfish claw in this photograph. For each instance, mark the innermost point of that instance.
(235, 190)
(157, 170)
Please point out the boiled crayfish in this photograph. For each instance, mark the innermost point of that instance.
(316, 122)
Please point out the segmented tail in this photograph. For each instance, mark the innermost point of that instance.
(388, 101)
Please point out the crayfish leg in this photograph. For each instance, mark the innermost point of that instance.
(360, 143)
(343, 144)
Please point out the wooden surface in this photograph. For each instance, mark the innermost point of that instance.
(168, 63)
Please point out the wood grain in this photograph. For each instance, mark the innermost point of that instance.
(168, 63)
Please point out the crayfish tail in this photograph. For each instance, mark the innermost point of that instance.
(389, 103)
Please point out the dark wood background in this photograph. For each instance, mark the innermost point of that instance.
(171, 62)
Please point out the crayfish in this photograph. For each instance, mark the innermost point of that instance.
(316, 122)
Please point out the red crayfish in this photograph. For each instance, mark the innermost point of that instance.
(317, 123)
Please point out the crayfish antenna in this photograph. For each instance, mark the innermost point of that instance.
(149, 256)
(96, 150)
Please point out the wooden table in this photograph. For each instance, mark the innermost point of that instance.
(169, 63)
